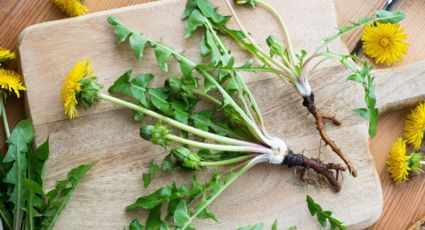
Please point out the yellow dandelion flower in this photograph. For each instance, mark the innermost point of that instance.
(398, 161)
(72, 87)
(384, 42)
(11, 81)
(72, 8)
(6, 55)
(414, 126)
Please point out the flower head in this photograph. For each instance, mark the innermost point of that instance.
(11, 81)
(6, 55)
(71, 88)
(72, 8)
(398, 161)
(414, 126)
(384, 42)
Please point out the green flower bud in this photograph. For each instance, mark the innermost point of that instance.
(276, 47)
(156, 134)
(232, 114)
(415, 162)
(188, 159)
(89, 91)
(177, 88)
(252, 3)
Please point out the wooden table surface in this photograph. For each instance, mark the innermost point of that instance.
(404, 204)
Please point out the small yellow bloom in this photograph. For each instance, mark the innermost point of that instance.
(72, 8)
(72, 87)
(398, 161)
(384, 42)
(414, 126)
(11, 81)
(6, 55)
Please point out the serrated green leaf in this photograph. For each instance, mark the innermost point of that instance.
(181, 215)
(160, 100)
(362, 112)
(152, 200)
(154, 219)
(355, 77)
(207, 214)
(190, 6)
(135, 225)
(122, 84)
(120, 31)
(6, 216)
(153, 170)
(274, 226)
(209, 11)
(138, 88)
(139, 116)
(179, 111)
(196, 20)
(137, 44)
(59, 197)
(162, 54)
(390, 16)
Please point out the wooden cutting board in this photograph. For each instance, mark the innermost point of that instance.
(107, 136)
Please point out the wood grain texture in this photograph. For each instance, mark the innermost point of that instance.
(405, 203)
(397, 214)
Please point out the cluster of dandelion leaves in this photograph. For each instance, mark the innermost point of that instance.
(23, 202)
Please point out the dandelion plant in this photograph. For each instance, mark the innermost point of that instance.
(283, 61)
(206, 116)
(23, 201)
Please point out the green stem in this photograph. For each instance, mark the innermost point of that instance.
(230, 148)
(174, 123)
(206, 96)
(257, 47)
(4, 116)
(226, 162)
(231, 179)
(250, 96)
(284, 28)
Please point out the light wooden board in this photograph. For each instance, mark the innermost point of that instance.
(122, 157)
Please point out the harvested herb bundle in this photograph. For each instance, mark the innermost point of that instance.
(282, 60)
(229, 132)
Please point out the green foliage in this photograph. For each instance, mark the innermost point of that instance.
(259, 226)
(381, 16)
(185, 203)
(23, 202)
(323, 216)
(363, 76)
(153, 170)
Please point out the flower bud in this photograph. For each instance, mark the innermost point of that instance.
(188, 159)
(276, 47)
(252, 3)
(156, 134)
(89, 91)
(415, 162)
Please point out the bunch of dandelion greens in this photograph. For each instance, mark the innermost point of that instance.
(282, 60)
(228, 133)
(405, 158)
(23, 202)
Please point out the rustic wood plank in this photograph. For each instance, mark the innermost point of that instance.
(13, 19)
(406, 198)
